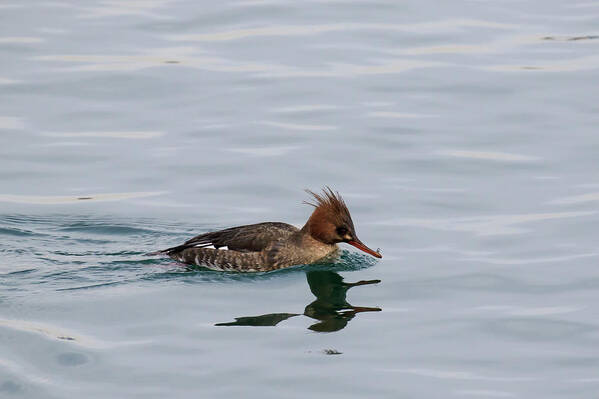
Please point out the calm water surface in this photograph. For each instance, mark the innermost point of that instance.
(463, 136)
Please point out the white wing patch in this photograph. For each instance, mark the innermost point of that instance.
(223, 248)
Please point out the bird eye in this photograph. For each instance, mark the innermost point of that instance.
(341, 231)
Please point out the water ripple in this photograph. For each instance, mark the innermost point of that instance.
(115, 8)
(572, 64)
(64, 199)
(487, 155)
(119, 135)
(484, 225)
(20, 40)
(264, 151)
(457, 375)
(485, 393)
(307, 30)
(400, 115)
(306, 108)
(294, 126)
(9, 122)
(15, 232)
(576, 199)
(59, 333)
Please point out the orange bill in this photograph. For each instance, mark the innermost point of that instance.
(358, 244)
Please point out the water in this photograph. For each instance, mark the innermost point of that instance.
(463, 136)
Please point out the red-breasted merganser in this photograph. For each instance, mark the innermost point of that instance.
(273, 245)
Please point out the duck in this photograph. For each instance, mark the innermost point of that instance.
(269, 246)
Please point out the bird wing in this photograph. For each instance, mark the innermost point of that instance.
(253, 237)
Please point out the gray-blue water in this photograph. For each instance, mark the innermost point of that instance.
(463, 136)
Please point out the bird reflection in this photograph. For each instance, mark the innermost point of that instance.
(330, 308)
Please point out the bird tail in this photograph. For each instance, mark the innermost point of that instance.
(168, 251)
(155, 253)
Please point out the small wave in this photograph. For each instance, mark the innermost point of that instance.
(97, 253)
(91, 286)
(20, 40)
(62, 334)
(9, 122)
(15, 232)
(109, 135)
(488, 156)
(20, 272)
(65, 199)
(456, 375)
(109, 229)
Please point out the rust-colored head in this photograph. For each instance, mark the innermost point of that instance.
(331, 222)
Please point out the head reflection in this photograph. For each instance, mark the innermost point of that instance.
(330, 308)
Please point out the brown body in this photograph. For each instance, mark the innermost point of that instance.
(273, 245)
